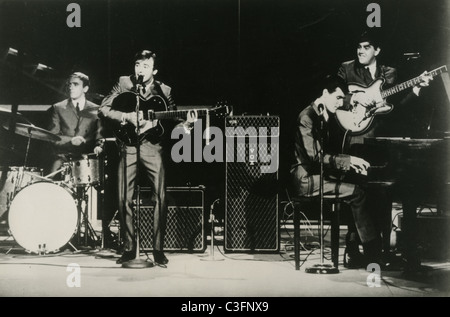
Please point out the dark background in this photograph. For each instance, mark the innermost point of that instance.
(261, 56)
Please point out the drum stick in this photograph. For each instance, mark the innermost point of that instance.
(54, 173)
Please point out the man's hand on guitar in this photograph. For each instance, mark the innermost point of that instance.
(191, 118)
(131, 117)
(425, 79)
(359, 165)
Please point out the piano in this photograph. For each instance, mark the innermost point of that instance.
(416, 172)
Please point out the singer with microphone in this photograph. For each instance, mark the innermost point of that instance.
(311, 141)
(150, 153)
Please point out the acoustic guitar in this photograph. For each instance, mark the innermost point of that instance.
(152, 110)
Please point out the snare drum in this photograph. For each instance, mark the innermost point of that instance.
(87, 171)
(13, 179)
(43, 217)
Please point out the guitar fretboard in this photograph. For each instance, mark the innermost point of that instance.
(176, 114)
(411, 82)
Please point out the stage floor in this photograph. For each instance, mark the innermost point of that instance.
(94, 273)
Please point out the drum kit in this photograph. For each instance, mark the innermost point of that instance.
(44, 215)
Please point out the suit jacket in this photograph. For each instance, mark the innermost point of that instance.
(66, 123)
(128, 84)
(308, 147)
(352, 72)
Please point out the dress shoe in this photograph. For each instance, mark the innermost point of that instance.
(354, 260)
(160, 258)
(373, 253)
(126, 256)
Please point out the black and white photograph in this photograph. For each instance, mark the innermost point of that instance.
(224, 152)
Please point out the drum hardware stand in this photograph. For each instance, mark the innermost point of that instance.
(18, 183)
(211, 219)
(321, 268)
(81, 197)
(28, 148)
(109, 225)
(137, 263)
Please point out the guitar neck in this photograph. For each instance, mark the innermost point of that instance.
(411, 83)
(175, 114)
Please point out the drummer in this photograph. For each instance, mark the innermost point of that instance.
(76, 122)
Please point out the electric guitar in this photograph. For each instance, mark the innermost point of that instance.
(359, 118)
(152, 111)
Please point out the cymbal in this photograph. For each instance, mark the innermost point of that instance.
(29, 130)
(7, 114)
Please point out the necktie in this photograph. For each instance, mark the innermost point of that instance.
(371, 76)
(78, 109)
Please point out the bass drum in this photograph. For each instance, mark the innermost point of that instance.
(13, 179)
(43, 217)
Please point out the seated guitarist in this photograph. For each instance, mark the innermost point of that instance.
(152, 152)
(363, 71)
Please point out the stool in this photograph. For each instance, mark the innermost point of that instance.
(335, 209)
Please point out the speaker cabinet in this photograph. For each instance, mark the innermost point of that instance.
(185, 219)
(251, 189)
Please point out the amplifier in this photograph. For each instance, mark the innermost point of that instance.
(251, 184)
(185, 230)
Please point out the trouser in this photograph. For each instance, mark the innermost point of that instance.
(352, 194)
(152, 164)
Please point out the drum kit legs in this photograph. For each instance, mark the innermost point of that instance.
(90, 236)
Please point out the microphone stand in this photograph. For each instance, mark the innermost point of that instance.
(137, 263)
(212, 219)
(321, 268)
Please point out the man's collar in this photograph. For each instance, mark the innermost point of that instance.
(372, 67)
(80, 101)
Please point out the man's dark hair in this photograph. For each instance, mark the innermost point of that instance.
(83, 77)
(330, 83)
(145, 54)
(372, 36)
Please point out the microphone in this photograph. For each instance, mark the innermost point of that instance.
(413, 55)
(140, 83)
(321, 108)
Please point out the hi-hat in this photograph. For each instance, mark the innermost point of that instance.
(33, 132)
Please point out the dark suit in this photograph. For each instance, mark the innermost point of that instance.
(67, 123)
(379, 199)
(152, 157)
(352, 72)
(305, 171)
